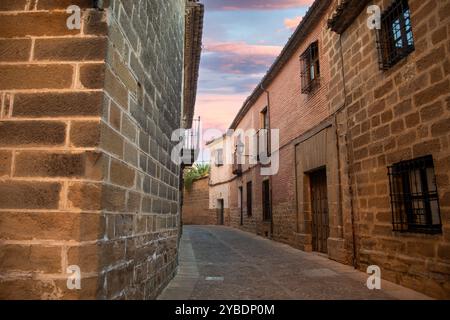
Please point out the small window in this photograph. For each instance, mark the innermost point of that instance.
(219, 158)
(263, 136)
(264, 116)
(414, 196)
(249, 199)
(310, 68)
(395, 38)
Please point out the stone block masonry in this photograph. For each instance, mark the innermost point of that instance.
(196, 209)
(390, 116)
(86, 177)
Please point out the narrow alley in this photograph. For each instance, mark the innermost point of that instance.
(222, 263)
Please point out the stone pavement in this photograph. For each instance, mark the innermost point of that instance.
(222, 263)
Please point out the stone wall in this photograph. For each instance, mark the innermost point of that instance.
(85, 172)
(398, 114)
(196, 209)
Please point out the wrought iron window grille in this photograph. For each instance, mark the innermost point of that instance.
(310, 64)
(395, 39)
(414, 196)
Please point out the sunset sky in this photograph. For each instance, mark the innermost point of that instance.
(241, 40)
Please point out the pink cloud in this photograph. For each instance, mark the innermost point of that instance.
(239, 57)
(255, 4)
(291, 24)
(218, 111)
(242, 48)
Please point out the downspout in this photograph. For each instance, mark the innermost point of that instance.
(341, 215)
(348, 145)
(269, 142)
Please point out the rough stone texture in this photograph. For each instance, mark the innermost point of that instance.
(86, 118)
(391, 116)
(147, 199)
(196, 204)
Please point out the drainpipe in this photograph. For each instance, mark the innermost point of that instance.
(348, 146)
(269, 141)
(341, 215)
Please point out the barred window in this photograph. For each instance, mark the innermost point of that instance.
(395, 38)
(414, 196)
(310, 68)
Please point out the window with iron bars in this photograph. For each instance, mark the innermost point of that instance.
(310, 64)
(395, 38)
(414, 196)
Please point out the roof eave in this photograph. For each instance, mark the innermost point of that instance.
(318, 8)
(192, 54)
(346, 12)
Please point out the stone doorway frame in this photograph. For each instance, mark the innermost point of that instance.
(315, 150)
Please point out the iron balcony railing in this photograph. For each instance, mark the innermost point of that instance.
(237, 164)
(191, 143)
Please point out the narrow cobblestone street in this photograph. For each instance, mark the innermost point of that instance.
(224, 263)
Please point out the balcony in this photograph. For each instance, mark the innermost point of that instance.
(237, 165)
(191, 144)
(263, 146)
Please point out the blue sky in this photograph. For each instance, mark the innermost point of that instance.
(241, 39)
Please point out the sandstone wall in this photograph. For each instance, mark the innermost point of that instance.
(85, 171)
(196, 209)
(393, 115)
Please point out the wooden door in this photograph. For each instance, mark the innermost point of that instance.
(221, 212)
(319, 206)
(267, 206)
(241, 200)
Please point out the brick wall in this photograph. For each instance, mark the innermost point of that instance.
(293, 114)
(394, 115)
(196, 210)
(85, 171)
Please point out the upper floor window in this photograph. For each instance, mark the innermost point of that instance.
(219, 158)
(395, 38)
(310, 64)
(414, 196)
(263, 136)
(238, 156)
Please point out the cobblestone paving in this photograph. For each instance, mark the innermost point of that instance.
(222, 263)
